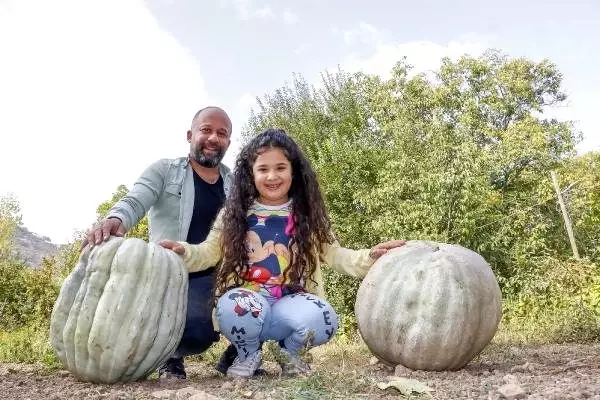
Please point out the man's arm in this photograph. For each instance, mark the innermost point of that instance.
(133, 207)
(143, 195)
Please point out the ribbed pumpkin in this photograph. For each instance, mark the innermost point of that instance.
(428, 306)
(121, 311)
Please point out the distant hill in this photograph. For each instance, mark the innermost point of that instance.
(31, 247)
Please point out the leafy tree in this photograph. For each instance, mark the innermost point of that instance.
(13, 294)
(462, 155)
(10, 218)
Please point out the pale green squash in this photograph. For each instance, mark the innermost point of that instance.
(428, 306)
(121, 311)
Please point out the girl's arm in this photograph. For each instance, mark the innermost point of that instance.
(356, 263)
(198, 257)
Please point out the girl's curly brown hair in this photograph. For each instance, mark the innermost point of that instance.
(313, 228)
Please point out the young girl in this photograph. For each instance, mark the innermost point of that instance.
(271, 237)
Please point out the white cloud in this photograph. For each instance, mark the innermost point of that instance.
(246, 103)
(265, 12)
(257, 9)
(422, 55)
(289, 17)
(301, 49)
(92, 93)
(365, 33)
(248, 9)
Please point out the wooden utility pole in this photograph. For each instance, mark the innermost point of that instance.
(565, 215)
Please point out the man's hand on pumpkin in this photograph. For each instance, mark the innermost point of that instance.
(102, 231)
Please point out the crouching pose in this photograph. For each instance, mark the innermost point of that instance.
(271, 238)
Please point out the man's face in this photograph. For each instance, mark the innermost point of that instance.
(209, 137)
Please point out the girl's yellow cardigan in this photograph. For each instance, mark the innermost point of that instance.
(355, 263)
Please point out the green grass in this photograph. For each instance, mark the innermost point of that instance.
(28, 345)
(338, 374)
(573, 323)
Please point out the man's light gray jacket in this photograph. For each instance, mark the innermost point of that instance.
(165, 191)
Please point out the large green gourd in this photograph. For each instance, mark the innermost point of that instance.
(428, 306)
(121, 311)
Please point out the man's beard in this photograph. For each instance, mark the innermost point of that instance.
(208, 161)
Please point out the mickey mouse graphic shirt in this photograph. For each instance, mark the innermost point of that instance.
(270, 229)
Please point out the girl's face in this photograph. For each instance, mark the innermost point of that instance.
(272, 177)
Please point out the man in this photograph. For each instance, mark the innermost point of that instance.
(182, 197)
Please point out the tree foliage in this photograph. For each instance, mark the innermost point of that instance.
(10, 218)
(461, 155)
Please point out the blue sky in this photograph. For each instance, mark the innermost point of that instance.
(92, 92)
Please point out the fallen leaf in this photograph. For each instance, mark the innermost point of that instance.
(405, 386)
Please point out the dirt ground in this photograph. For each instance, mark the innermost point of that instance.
(501, 371)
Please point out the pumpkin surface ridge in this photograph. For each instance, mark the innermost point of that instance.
(150, 358)
(122, 283)
(409, 319)
(177, 306)
(95, 289)
(482, 315)
(380, 302)
(465, 337)
(107, 320)
(73, 319)
(422, 296)
(86, 310)
(474, 299)
(60, 314)
(139, 308)
(143, 357)
(441, 333)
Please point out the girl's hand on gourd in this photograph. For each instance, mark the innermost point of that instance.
(172, 245)
(383, 248)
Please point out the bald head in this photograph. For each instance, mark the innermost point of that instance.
(212, 110)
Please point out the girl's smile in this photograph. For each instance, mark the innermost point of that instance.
(272, 176)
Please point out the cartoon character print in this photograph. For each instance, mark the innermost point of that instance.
(267, 242)
(267, 260)
(245, 303)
